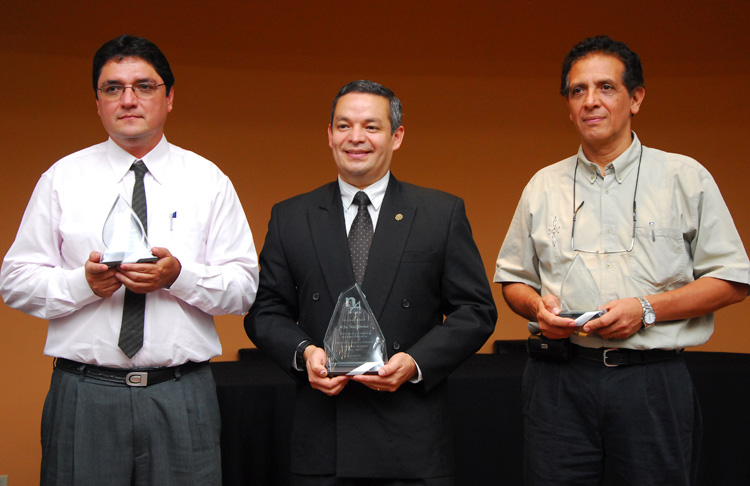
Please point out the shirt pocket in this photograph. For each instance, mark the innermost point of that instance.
(659, 258)
(187, 240)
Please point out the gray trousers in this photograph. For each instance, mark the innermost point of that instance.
(98, 433)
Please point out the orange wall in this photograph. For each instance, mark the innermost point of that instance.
(254, 85)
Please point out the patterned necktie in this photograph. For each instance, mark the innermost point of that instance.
(131, 330)
(360, 237)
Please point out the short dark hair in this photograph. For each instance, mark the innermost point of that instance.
(632, 77)
(131, 46)
(371, 87)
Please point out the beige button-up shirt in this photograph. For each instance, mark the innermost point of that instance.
(683, 231)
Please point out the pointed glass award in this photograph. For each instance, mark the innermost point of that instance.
(354, 343)
(579, 294)
(124, 238)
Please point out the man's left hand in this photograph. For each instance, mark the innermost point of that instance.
(143, 278)
(400, 368)
(622, 320)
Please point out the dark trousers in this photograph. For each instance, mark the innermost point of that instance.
(633, 425)
(98, 433)
(302, 480)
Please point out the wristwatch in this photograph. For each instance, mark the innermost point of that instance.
(648, 317)
(300, 354)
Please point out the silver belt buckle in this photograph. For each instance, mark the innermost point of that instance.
(137, 378)
(604, 358)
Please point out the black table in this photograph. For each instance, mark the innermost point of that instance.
(256, 400)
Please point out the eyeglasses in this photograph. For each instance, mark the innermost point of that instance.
(142, 91)
(573, 235)
(578, 208)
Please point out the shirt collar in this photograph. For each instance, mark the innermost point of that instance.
(375, 191)
(155, 160)
(620, 167)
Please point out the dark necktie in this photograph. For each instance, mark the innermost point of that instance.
(360, 237)
(131, 330)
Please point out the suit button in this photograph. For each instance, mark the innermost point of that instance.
(405, 303)
(396, 345)
(316, 296)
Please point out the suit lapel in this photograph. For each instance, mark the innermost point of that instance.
(392, 231)
(328, 232)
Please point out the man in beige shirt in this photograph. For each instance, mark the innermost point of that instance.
(648, 236)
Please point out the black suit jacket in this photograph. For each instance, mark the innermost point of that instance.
(427, 287)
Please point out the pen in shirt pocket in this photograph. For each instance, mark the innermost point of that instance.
(172, 217)
(653, 234)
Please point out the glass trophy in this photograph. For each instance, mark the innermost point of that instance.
(124, 238)
(579, 294)
(354, 343)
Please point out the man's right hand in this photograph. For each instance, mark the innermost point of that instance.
(315, 358)
(525, 301)
(551, 325)
(100, 277)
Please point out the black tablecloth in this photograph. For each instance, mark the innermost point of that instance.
(256, 400)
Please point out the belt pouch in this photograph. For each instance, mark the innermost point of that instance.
(540, 347)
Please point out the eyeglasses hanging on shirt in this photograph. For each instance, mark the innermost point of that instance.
(577, 208)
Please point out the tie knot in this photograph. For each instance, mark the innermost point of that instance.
(361, 199)
(139, 168)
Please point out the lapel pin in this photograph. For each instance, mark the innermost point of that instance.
(399, 217)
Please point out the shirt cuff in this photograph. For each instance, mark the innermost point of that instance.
(419, 376)
(79, 287)
(186, 281)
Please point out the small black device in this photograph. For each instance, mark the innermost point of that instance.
(582, 317)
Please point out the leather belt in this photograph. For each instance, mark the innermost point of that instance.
(128, 377)
(620, 356)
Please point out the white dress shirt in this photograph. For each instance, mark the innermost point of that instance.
(376, 193)
(193, 211)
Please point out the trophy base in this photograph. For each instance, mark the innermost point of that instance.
(342, 373)
(354, 369)
(115, 258)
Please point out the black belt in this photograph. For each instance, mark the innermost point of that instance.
(621, 356)
(129, 377)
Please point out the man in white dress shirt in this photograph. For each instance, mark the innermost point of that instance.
(141, 408)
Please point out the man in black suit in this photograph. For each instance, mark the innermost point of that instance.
(424, 282)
